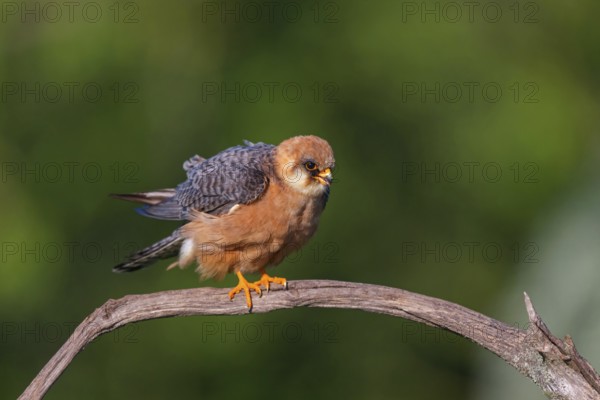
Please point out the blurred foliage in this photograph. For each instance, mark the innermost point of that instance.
(115, 102)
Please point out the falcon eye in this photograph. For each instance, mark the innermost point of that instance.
(310, 166)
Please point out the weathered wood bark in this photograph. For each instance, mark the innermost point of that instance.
(553, 364)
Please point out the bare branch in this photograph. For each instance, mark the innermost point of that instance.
(553, 364)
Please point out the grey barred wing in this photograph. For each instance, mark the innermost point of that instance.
(216, 187)
(234, 176)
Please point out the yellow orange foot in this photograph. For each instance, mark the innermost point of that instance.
(265, 280)
(246, 286)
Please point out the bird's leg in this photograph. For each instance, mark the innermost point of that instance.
(246, 286)
(266, 279)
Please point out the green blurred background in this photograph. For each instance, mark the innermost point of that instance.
(466, 139)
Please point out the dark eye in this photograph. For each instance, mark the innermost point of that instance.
(311, 166)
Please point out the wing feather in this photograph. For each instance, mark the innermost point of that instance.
(238, 175)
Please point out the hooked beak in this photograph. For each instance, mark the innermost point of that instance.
(324, 177)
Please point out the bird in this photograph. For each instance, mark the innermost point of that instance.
(245, 209)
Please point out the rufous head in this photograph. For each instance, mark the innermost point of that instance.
(305, 163)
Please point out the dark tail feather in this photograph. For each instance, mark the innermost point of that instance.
(168, 209)
(165, 248)
(151, 198)
(158, 204)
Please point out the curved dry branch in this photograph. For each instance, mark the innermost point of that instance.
(553, 364)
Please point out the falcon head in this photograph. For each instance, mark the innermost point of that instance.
(305, 164)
